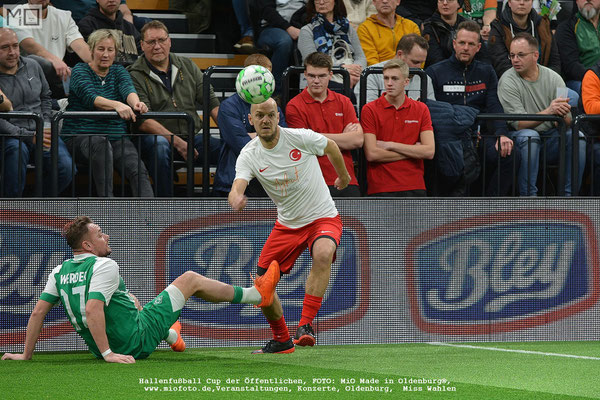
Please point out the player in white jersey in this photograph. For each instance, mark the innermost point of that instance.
(108, 317)
(285, 163)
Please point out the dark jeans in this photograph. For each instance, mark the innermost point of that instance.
(17, 154)
(156, 153)
(102, 155)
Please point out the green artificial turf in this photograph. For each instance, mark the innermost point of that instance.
(464, 373)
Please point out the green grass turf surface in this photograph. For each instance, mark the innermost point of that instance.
(472, 373)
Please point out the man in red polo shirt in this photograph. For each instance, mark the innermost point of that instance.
(322, 110)
(398, 137)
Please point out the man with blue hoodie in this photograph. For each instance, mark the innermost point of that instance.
(22, 81)
(462, 80)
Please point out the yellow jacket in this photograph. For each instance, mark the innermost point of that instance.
(379, 41)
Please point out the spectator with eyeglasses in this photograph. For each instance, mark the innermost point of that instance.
(531, 88)
(171, 83)
(519, 16)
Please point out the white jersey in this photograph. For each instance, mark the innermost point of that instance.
(291, 175)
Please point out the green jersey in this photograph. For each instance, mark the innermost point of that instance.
(88, 277)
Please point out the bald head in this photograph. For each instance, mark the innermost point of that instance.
(265, 118)
(9, 51)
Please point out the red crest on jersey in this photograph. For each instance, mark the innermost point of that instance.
(295, 155)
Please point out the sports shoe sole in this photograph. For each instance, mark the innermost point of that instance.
(179, 345)
(305, 340)
(266, 284)
(288, 351)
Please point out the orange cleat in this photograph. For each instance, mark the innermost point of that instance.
(179, 345)
(266, 284)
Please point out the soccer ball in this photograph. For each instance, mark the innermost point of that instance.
(255, 84)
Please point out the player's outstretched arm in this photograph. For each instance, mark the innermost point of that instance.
(94, 310)
(236, 197)
(34, 327)
(337, 160)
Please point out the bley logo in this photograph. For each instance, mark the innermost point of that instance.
(31, 245)
(502, 272)
(226, 247)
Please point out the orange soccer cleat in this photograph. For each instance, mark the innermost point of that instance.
(179, 345)
(266, 284)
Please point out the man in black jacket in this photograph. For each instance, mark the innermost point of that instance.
(108, 16)
(519, 16)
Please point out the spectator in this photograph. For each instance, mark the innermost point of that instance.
(529, 88)
(102, 85)
(439, 31)
(246, 44)
(380, 32)
(48, 44)
(398, 137)
(518, 16)
(80, 8)
(481, 11)
(412, 50)
(579, 42)
(590, 99)
(416, 10)
(319, 109)
(358, 11)
(236, 132)
(108, 16)
(329, 32)
(277, 33)
(25, 89)
(463, 80)
(171, 83)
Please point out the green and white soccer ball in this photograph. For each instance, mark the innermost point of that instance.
(255, 84)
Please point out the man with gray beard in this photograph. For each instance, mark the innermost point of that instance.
(579, 41)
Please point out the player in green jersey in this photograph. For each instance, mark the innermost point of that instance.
(108, 317)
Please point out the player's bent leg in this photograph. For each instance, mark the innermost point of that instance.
(193, 284)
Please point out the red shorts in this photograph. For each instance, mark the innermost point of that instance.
(286, 244)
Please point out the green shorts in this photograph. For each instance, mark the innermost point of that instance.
(157, 317)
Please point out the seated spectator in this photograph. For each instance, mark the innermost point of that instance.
(323, 110)
(518, 16)
(102, 85)
(169, 83)
(329, 32)
(380, 32)
(439, 31)
(48, 44)
(80, 8)
(417, 11)
(246, 44)
(277, 33)
(590, 99)
(412, 50)
(530, 88)
(24, 88)
(357, 11)
(236, 131)
(579, 42)
(463, 80)
(108, 16)
(398, 137)
(481, 11)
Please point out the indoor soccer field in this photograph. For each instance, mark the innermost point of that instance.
(525, 370)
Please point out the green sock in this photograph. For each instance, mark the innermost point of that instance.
(237, 294)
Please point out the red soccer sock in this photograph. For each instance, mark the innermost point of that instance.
(280, 330)
(310, 308)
